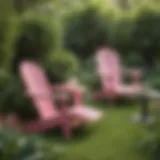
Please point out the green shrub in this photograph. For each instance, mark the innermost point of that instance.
(61, 65)
(126, 31)
(15, 146)
(150, 143)
(153, 79)
(133, 59)
(121, 33)
(86, 30)
(39, 35)
(88, 75)
(13, 98)
(147, 34)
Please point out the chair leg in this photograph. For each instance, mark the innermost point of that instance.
(67, 131)
(66, 125)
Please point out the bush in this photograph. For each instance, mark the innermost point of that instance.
(38, 36)
(121, 33)
(13, 98)
(89, 28)
(150, 143)
(153, 79)
(86, 30)
(89, 78)
(147, 39)
(61, 65)
(26, 147)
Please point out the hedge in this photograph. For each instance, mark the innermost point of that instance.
(135, 31)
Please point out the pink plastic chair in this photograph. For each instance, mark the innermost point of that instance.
(111, 73)
(41, 93)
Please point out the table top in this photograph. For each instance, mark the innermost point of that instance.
(150, 93)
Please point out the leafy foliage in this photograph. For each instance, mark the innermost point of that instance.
(13, 98)
(61, 65)
(147, 39)
(89, 78)
(38, 36)
(86, 30)
(91, 28)
(16, 146)
(150, 144)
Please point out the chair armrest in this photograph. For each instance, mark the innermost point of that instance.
(136, 74)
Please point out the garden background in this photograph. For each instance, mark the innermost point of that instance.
(63, 36)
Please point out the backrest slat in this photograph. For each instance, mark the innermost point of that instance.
(108, 65)
(38, 88)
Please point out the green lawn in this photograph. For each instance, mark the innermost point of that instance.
(115, 137)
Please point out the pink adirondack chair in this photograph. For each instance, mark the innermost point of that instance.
(41, 93)
(111, 73)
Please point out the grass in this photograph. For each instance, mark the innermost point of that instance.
(115, 137)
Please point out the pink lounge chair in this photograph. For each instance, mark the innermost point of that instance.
(40, 91)
(111, 72)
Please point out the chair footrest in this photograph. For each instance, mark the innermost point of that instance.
(86, 113)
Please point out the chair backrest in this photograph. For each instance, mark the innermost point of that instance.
(38, 88)
(108, 67)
